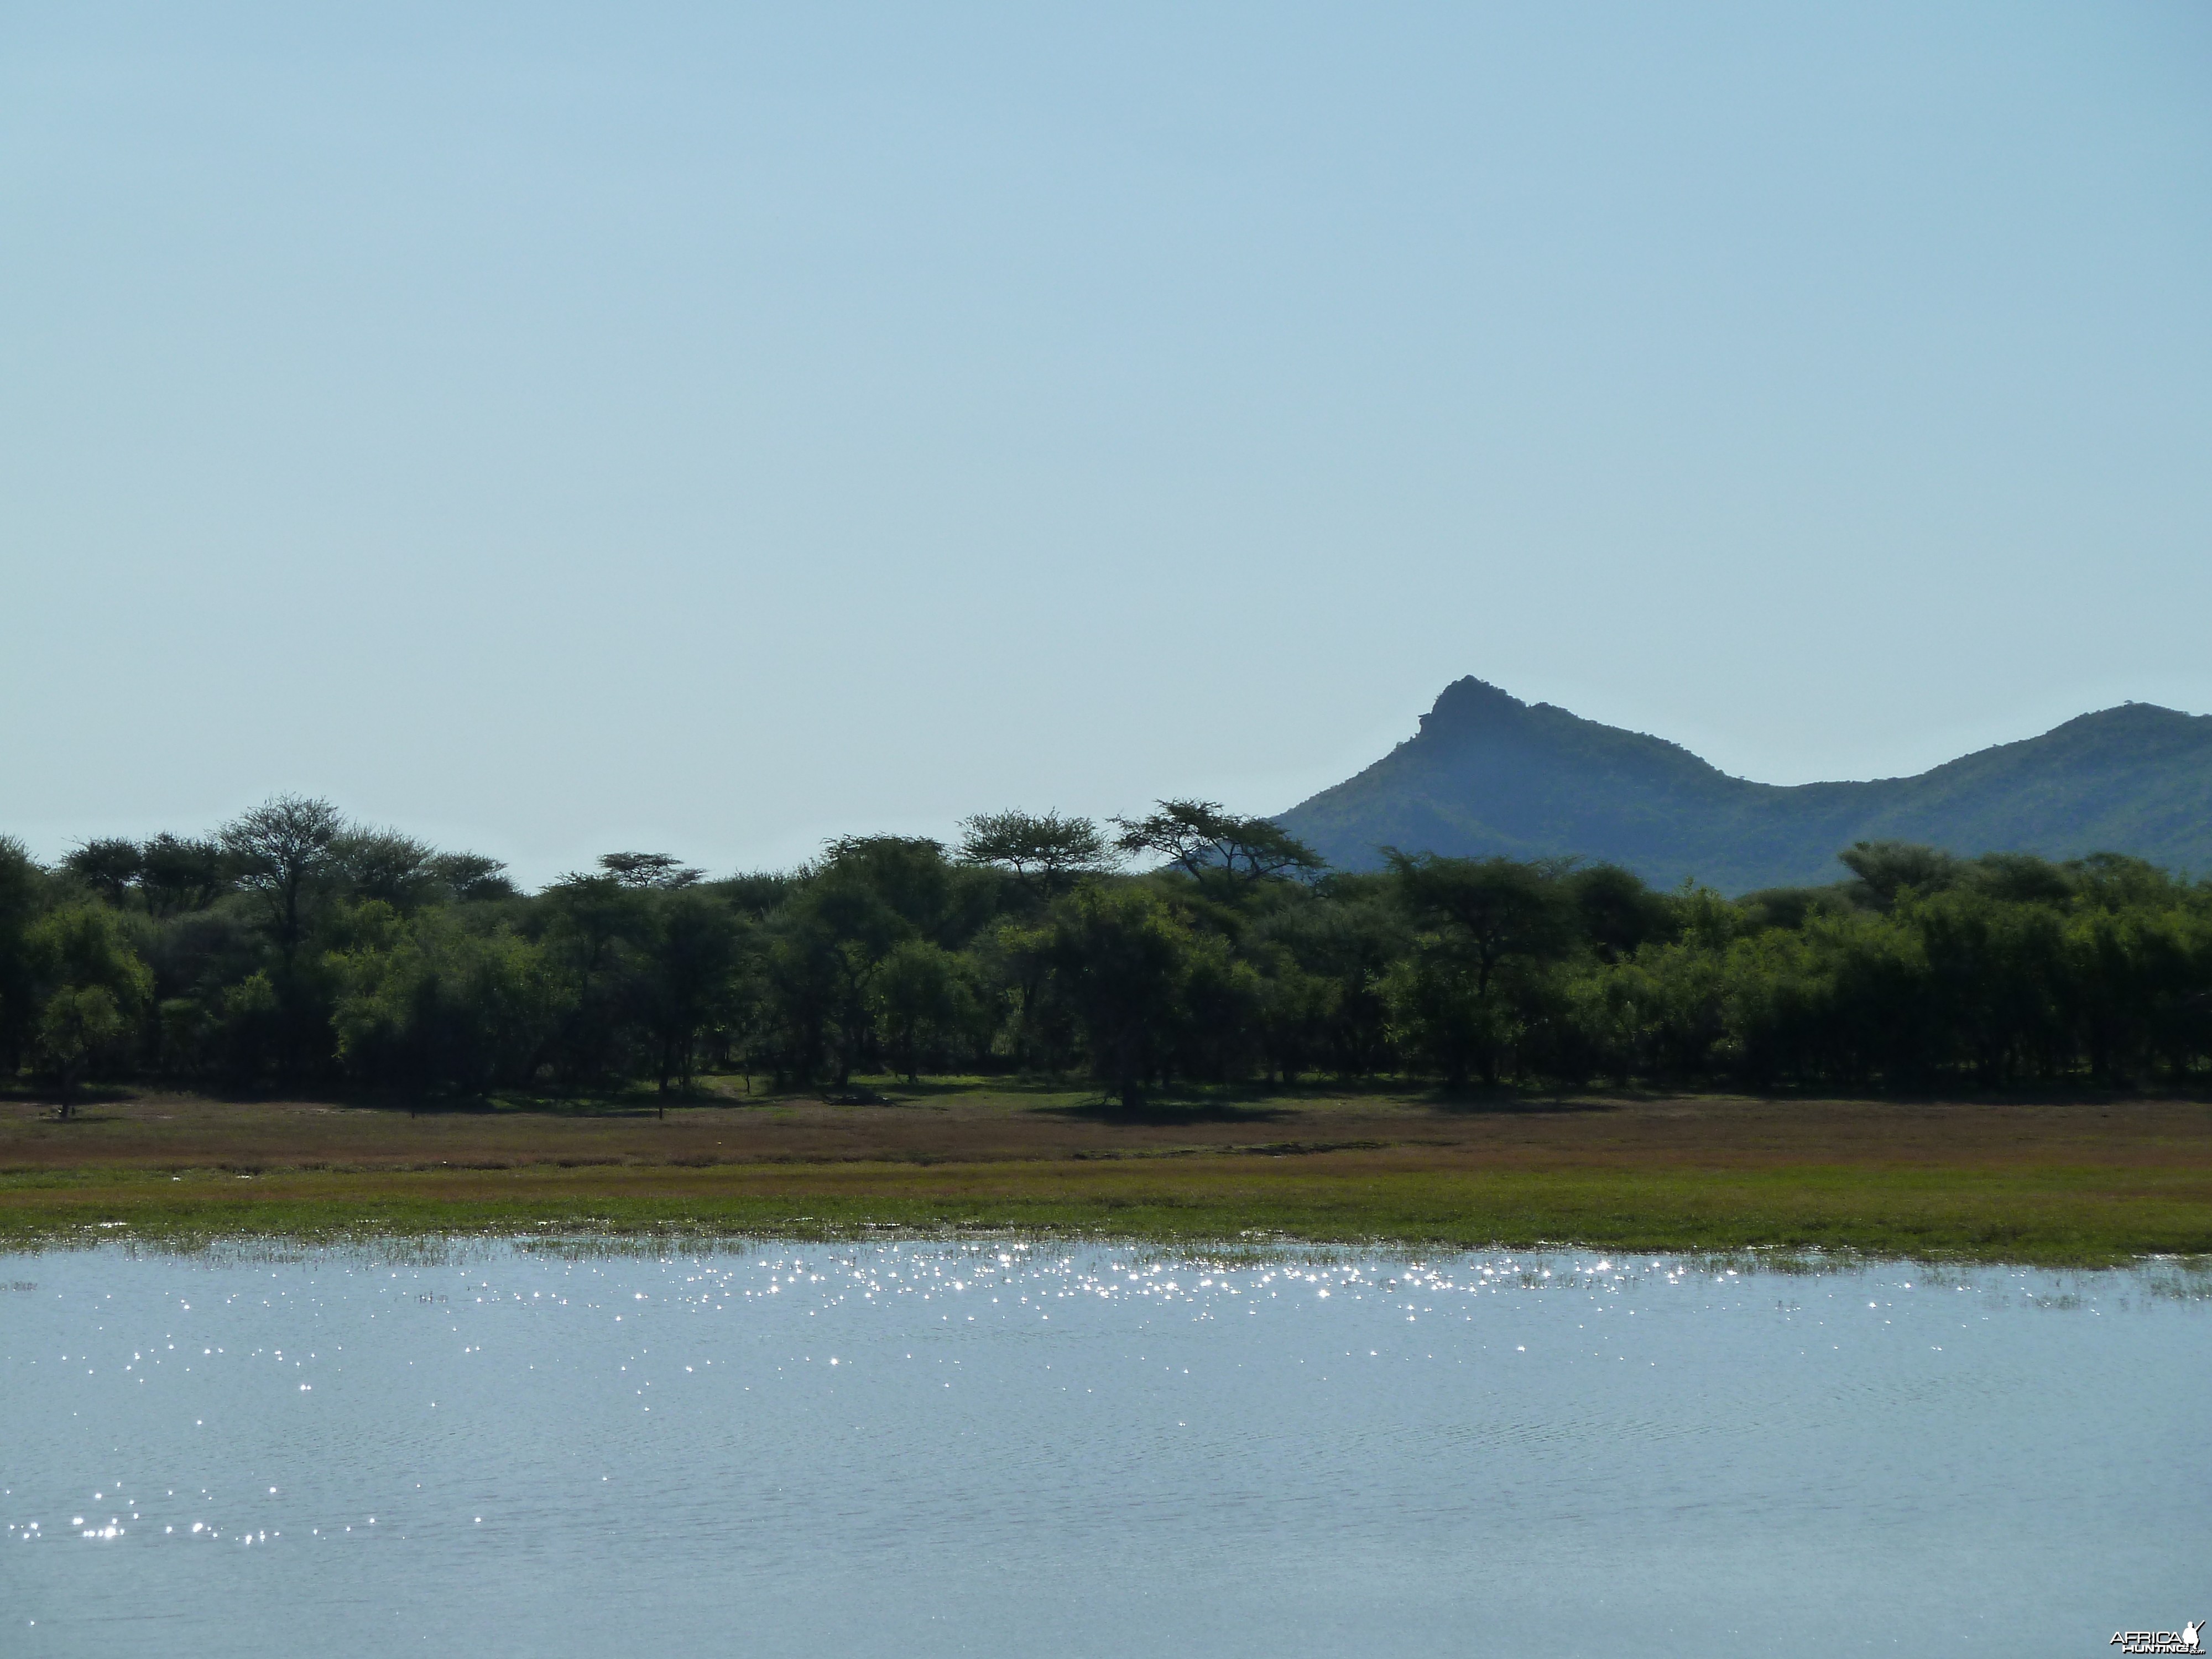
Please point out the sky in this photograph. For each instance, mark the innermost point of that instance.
(709, 428)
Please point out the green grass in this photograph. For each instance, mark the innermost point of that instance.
(2056, 1217)
(2083, 1182)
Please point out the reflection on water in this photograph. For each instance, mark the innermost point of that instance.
(998, 1447)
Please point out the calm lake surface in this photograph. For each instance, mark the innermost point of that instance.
(929, 1448)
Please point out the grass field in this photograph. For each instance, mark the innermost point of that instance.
(2079, 1182)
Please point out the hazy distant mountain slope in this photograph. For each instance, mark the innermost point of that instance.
(1488, 773)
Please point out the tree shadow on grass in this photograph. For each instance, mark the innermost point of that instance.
(517, 1104)
(84, 1095)
(1512, 1102)
(1155, 1112)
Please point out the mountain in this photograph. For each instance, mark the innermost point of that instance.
(1489, 774)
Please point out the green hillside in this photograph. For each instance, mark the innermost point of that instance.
(1488, 773)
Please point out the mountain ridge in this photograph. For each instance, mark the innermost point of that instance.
(1486, 773)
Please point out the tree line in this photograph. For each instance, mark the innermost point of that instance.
(293, 949)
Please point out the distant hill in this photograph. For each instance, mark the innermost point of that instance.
(1489, 774)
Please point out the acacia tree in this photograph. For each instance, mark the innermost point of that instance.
(179, 873)
(1486, 914)
(1885, 868)
(283, 854)
(75, 1025)
(1045, 851)
(686, 980)
(386, 865)
(585, 920)
(431, 1005)
(1494, 909)
(869, 895)
(1209, 843)
(1122, 960)
(649, 870)
(97, 990)
(109, 864)
(469, 877)
(20, 883)
(922, 1000)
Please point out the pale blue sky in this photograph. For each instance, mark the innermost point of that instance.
(555, 429)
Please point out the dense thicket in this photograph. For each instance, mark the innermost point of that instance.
(295, 949)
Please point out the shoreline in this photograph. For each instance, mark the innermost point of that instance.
(2048, 1220)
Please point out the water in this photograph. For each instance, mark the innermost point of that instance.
(926, 1449)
